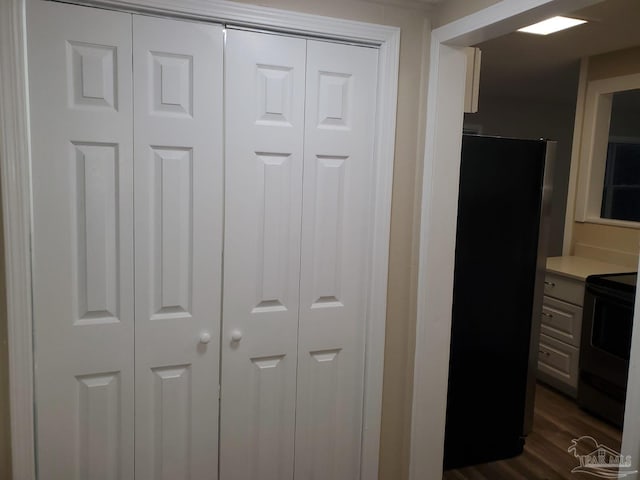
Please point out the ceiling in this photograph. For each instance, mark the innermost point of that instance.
(420, 4)
(546, 67)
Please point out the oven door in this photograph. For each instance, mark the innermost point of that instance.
(606, 340)
(606, 335)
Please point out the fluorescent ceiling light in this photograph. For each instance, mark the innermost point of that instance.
(552, 25)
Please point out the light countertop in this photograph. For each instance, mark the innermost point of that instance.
(581, 267)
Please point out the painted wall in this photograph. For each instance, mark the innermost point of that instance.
(616, 245)
(613, 244)
(452, 10)
(534, 118)
(614, 64)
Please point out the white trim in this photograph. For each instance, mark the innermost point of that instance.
(435, 268)
(630, 434)
(501, 18)
(14, 168)
(439, 213)
(246, 15)
(612, 222)
(569, 219)
(593, 146)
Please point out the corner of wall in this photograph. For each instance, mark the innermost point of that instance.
(415, 243)
(567, 246)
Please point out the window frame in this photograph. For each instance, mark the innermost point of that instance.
(593, 148)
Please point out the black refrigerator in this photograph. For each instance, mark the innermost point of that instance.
(503, 212)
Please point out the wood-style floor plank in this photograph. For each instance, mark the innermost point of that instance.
(557, 421)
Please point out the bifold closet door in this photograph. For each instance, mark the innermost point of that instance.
(336, 247)
(82, 171)
(178, 188)
(299, 175)
(264, 121)
(91, 358)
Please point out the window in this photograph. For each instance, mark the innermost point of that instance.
(621, 192)
(609, 173)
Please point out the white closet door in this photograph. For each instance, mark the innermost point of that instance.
(264, 92)
(178, 245)
(336, 246)
(81, 130)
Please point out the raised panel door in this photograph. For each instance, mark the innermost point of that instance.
(264, 91)
(177, 69)
(82, 172)
(337, 221)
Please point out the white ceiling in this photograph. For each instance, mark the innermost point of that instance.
(525, 65)
(421, 4)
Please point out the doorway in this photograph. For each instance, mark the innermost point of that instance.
(444, 125)
(529, 88)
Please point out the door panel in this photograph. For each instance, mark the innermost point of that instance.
(265, 80)
(178, 245)
(336, 231)
(82, 172)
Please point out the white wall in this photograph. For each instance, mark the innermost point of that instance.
(451, 10)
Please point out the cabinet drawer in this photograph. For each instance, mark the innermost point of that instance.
(564, 288)
(558, 360)
(561, 320)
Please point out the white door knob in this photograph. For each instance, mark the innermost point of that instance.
(205, 337)
(236, 335)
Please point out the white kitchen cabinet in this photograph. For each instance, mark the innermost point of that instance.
(559, 361)
(561, 322)
(560, 328)
(564, 288)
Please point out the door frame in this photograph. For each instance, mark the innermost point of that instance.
(443, 144)
(16, 191)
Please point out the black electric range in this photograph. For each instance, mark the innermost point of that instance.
(605, 347)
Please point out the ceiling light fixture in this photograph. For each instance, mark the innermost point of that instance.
(552, 25)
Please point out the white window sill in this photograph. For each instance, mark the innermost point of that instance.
(611, 222)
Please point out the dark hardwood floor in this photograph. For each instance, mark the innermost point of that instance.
(557, 421)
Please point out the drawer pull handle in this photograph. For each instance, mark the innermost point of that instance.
(548, 315)
(546, 354)
(549, 284)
